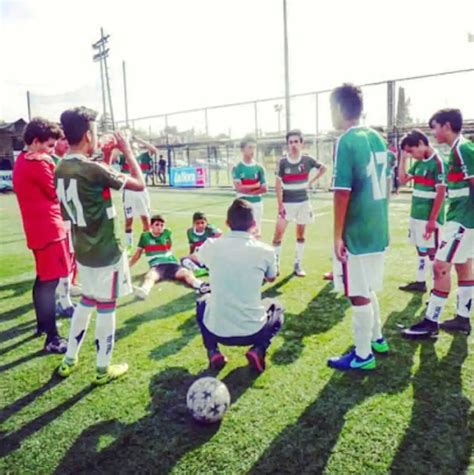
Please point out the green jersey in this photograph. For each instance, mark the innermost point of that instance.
(55, 159)
(83, 187)
(249, 174)
(294, 177)
(124, 166)
(146, 161)
(428, 174)
(157, 248)
(460, 192)
(361, 167)
(196, 240)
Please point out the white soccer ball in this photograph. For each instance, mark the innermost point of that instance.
(208, 399)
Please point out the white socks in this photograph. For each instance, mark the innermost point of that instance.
(436, 305)
(63, 291)
(129, 237)
(465, 297)
(299, 251)
(362, 325)
(79, 323)
(422, 267)
(104, 333)
(377, 326)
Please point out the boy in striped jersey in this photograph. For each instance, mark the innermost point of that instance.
(427, 205)
(197, 236)
(291, 187)
(457, 245)
(156, 244)
(249, 180)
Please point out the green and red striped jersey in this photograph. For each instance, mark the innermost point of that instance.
(460, 192)
(427, 175)
(157, 248)
(249, 174)
(196, 240)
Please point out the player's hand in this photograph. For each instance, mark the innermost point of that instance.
(122, 143)
(281, 211)
(430, 228)
(340, 250)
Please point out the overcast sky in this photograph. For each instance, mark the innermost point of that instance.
(182, 54)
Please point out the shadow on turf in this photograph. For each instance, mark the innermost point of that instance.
(23, 359)
(306, 446)
(16, 312)
(19, 404)
(18, 288)
(17, 331)
(13, 440)
(13, 346)
(440, 436)
(155, 443)
(322, 313)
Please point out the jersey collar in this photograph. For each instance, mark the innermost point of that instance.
(251, 164)
(293, 161)
(456, 142)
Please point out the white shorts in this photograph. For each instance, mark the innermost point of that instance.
(136, 203)
(416, 230)
(457, 244)
(299, 213)
(258, 215)
(106, 283)
(359, 275)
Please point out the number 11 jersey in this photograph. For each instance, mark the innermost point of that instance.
(83, 187)
(361, 167)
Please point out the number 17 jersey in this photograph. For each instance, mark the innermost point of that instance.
(83, 187)
(361, 167)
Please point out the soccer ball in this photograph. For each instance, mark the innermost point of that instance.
(208, 400)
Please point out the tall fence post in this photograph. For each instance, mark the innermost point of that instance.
(255, 111)
(316, 128)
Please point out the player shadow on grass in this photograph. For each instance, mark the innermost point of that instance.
(306, 446)
(440, 436)
(12, 441)
(18, 288)
(16, 406)
(188, 329)
(178, 305)
(18, 330)
(155, 443)
(322, 313)
(14, 346)
(24, 359)
(16, 312)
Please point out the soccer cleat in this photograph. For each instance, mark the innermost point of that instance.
(65, 312)
(256, 358)
(422, 331)
(114, 371)
(201, 272)
(75, 290)
(141, 293)
(298, 270)
(66, 367)
(350, 362)
(56, 345)
(205, 288)
(457, 324)
(414, 287)
(216, 360)
(328, 276)
(380, 346)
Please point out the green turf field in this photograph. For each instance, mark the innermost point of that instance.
(412, 415)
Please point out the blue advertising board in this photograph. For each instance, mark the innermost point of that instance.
(188, 176)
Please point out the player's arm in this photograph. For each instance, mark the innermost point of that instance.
(321, 171)
(263, 181)
(403, 176)
(135, 181)
(151, 148)
(341, 203)
(135, 258)
(44, 176)
(438, 202)
(279, 196)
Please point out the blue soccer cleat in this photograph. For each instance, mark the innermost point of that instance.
(350, 362)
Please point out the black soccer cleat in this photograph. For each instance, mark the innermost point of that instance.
(423, 330)
(457, 324)
(414, 287)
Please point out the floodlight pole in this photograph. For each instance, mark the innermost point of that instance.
(125, 92)
(287, 73)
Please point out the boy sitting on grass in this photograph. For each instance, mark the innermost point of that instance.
(197, 235)
(156, 244)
